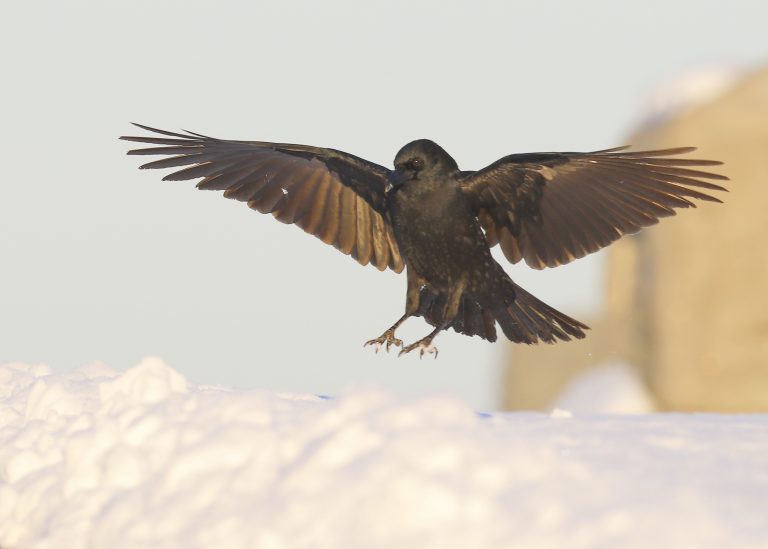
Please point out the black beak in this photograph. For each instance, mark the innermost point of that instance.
(396, 179)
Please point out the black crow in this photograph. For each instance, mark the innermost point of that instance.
(440, 222)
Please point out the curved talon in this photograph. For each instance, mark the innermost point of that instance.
(387, 339)
(431, 349)
(423, 346)
(375, 343)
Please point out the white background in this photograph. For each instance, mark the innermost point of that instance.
(99, 261)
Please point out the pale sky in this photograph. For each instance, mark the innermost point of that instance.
(102, 262)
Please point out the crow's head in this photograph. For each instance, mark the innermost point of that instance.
(423, 158)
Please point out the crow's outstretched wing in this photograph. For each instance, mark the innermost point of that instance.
(552, 208)
(335, 196)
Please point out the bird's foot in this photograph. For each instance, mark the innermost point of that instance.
(423, 345)
(387, 339)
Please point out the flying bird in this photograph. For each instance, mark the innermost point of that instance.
(439, 223)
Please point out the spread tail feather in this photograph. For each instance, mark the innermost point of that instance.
(526, 320)
(530, 320)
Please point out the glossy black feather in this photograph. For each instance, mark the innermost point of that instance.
(529, 197)
(273, 178)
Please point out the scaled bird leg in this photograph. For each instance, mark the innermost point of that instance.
(449, 313)
(424, 345)
(388, 338)
(411, 306)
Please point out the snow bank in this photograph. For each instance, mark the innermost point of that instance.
(608, 388)
(99, 458)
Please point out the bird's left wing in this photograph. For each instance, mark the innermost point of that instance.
(338, 197)
(552, 208)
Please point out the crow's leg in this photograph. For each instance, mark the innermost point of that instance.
(388, 338)
(424, 345)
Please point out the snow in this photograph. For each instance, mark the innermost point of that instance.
(144, 458)
(608, 388)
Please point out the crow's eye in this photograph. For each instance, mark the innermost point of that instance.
(417, 163)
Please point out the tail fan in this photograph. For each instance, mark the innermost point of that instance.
(530, 320)
(525, 320)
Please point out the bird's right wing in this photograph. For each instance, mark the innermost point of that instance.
(551, 208)
(333, 195)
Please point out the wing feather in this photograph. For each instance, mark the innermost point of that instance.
(379, 242)
(335, 196)
(331, 220)
(364, 246)
(552, 208)
(348, 234)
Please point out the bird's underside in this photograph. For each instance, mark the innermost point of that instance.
(440, 223)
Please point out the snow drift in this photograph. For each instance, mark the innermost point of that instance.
(142, 458)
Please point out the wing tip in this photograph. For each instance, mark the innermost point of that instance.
(145, 127)
(187, 135)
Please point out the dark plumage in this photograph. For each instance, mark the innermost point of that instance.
(440, 222)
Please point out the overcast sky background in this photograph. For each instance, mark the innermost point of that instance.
(102, 262)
